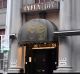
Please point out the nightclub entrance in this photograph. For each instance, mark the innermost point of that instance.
(41, 46)
(43, 58)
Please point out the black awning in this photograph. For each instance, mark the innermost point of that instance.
(36, 30)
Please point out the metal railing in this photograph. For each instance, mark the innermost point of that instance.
(3, 66)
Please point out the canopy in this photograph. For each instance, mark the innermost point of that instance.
(37, 31)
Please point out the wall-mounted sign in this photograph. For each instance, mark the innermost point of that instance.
(63, 61)
(41, 6)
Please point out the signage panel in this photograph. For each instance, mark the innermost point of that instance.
(41, 6)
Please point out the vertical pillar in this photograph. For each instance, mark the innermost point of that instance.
(14, 28)
(6, 38)
(65, 44)
(76, 42)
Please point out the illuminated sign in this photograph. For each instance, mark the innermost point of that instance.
(44, 46)
(41, 6)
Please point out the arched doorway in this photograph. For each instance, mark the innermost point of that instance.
(41, 46)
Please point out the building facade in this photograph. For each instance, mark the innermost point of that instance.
(64, 13)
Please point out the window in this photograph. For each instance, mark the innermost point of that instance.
(3, 4)
(42, 1)
(2, 32)
(0, 4)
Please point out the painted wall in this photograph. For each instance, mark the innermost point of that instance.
(54, 17)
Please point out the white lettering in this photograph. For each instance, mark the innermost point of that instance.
(28, 8)
(34, 7)
(25, 8)
(39, 6)
(42, 6)
(45, 6)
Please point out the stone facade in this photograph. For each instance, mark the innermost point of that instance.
(67, 19)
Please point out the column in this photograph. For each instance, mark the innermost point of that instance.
(14, 29)
(76, 39)
(6, 43)
(65, 43)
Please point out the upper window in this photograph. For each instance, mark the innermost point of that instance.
(42, 1)
(3, 4)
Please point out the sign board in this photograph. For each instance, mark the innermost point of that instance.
(63, 62)
(41, 6)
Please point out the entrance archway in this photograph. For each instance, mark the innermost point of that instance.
(41, 46)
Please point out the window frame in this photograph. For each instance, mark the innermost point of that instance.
(39, 1)
(3, 4)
